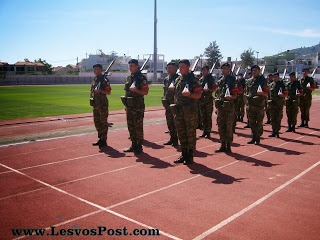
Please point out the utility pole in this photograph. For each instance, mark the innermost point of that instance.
(257, 57)
(155, 57)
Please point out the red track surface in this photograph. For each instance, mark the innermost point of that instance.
(269, 191)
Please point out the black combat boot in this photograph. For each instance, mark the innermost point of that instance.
(247, 126)
(257, 142)
(268, 121)
(289, 128)
(203, 134)
(222, 147)
(293, 128)
(182, 157)
(306, 124)
(277, 134)
(302, 124)
(189, 158)
(273, 134)
(168, 131)
(168, 142)
(174, 141)
(138, 148)
(132, 148)
(241, 119)
(96, 143)
(208, 135)
(228, 150)
(102, 143)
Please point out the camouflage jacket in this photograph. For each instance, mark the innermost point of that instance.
(304, 82)
(193, 86)
(103, 83)
(210, 81)
(141, 84)
(274, 93)
(251, 90)
(292, 89)
(169, 95)
(224, 83)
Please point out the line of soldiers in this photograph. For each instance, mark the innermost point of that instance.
(184, 94)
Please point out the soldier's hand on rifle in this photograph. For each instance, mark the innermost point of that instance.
(228, 98)
(133, 89)
(186, 94)
(96, 90)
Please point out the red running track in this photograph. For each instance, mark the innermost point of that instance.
(269, 191)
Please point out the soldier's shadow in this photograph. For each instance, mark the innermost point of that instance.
(152, 145)
(255, 162)
(306, 134)
(112, 152)
(217, 176)
(296, 141)
(200, 154)
(145, 158)
(283, 150)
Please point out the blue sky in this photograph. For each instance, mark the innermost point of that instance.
(60, 31)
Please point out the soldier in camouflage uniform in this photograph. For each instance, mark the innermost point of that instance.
(256, 93)
(292, 101)
(270, 80)
(168, 98)
(275, 103)
(246, 101)
(226, 93)
(187, 90)
(136, 87)
(308, 86)
(100, 87)
(240, 99)
(206, 101)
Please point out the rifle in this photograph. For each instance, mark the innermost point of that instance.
(195, 65)
(143, 66)
(284, 74)
(245, 73)
(263, 69)
(211, 70)
(238, 70)
(108, 68)
(314, 71)
(232, 69)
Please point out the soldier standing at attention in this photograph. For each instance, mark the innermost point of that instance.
(275, 103)
(206, 101)
(168, 98)
(270, 80)
(226, 93)
(246, 101)
(308, 86)
(186, 94)
(256, 91)
(100, 87)
(292, 101)
(136, 87)
(240, 103)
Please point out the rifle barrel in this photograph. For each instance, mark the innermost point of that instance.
(145, 63)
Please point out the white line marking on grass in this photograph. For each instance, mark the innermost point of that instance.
(251, 206)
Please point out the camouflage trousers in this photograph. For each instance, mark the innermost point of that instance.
(225, 119)
(206, 107)
(100, 118)
(267, 111)
(240, 106)
(135, 123)
(170, 123)
(186, 120)
(292, 110)
(305, 105)
(255, 118)
(276, 113)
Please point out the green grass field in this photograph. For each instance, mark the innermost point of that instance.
(40, 101)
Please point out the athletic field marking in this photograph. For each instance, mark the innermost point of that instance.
(87, 202)
(251, 206)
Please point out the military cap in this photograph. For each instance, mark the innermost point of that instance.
(185, 61)
(255, 66)
(292, 73)
(226, 65)
(276, 73)
(97, 65)
(172, 64)
(207, 67)
(135, 61)
(305, 69)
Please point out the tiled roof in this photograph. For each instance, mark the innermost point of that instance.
(29, 64)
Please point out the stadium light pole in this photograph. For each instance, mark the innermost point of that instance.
(155, 57)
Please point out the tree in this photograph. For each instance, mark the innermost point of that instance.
(247, 58)
(213, 54)
(47, 67)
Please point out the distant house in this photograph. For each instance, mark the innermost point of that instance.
(21, 68)
(66, 70)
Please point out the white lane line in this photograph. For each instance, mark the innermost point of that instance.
(251, 206)
(87, 202)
